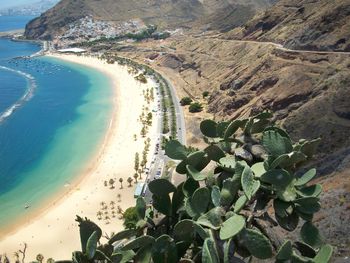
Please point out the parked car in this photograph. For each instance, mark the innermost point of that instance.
(158, 174)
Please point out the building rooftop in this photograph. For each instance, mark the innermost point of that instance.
(72, 50)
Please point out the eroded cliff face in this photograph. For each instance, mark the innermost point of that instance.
(216, 14)
(301, 24)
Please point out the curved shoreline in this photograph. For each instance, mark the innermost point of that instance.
(89, 185)
(28, 94)
(53, 200)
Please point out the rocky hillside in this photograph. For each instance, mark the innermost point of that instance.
(302, 24)
(164, 13)
(309, 93)
(226, 15)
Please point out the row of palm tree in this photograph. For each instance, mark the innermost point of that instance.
(136, 176)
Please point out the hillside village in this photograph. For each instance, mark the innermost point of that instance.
(90, 29)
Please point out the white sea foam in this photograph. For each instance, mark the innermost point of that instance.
(26, 97)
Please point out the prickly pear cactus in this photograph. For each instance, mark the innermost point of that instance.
(235, 193)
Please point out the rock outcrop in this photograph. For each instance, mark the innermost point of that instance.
(301, 24)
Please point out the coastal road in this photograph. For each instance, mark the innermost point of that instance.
(180, 118)
(281, 47)
(160, 159)
(175, 178)
(276, 45)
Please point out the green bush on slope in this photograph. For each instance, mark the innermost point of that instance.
(195, 107)
(185, 101)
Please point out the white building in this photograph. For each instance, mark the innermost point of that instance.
(74, 50)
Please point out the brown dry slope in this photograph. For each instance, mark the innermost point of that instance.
(308, 91)
(164, 13)
(303, 89)
(302, 24)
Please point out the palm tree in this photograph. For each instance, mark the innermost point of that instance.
(121, 183)
(130, 181)
(119, 198)
(102, 203)
(111, 183)
(40, 258)
(144, 163)
(135, 177)
(99, 215)
(21, 251)
(119, 210)
(143, 132)
(140, 174)
(137, 161)
(16, 255)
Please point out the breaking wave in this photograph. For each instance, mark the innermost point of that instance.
(26, 97)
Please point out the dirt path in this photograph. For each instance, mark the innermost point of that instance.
(281, 47)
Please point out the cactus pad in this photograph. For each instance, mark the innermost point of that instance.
(249, 184)
(256, 243)
(232, 226)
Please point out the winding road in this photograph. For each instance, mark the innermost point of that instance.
(277, 46)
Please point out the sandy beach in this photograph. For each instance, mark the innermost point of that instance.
(53, 231)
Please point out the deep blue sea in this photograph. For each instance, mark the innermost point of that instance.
(8, 23)
(53, 115)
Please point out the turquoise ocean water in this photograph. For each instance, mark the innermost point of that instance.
(53, 116)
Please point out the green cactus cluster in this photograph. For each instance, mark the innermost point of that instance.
(227, 205)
